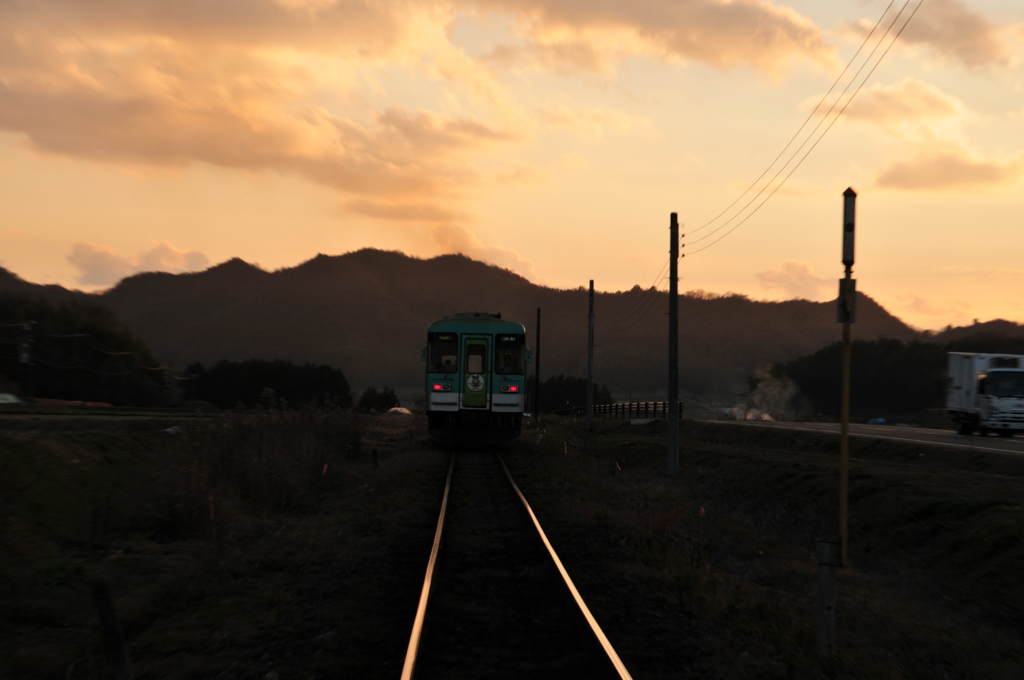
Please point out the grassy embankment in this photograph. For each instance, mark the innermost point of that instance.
(308, 574)
(229, 549)
(933, 590)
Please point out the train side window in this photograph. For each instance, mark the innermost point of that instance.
(476, 358)
(444, 352)
(508, 354)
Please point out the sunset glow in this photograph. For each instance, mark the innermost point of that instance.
(550, 137)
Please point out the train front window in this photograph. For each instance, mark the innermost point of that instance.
(444, 352)
(508, 354)
(476, 357)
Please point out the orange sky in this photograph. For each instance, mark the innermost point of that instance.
(551, 137)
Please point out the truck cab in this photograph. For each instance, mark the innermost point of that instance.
(985, 393)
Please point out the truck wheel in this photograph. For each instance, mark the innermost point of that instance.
(1005, 433)
(983, 431)
(964, 427)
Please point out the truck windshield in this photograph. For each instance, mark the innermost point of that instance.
(1005, 384)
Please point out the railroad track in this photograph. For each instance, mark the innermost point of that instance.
(496, 601)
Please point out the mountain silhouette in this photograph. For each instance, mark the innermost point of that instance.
(366, 312)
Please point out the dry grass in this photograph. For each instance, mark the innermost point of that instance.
(733, 594)
(215, 474)
(130, 504)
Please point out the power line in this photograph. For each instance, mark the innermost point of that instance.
(810, 136)
(642, 300)
(132, 374)
(654, 301)
(898, 33)
(652, 289)
(99, 348)
(802, 125)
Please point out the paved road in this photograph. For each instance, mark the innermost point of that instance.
(920, 435)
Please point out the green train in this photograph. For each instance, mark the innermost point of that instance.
(476, 378)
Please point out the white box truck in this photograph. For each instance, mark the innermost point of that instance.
(985, 392)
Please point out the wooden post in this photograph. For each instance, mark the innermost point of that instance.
(590, 361)
(828, 558)
(111, 631)
(536, 374)
(673, 347)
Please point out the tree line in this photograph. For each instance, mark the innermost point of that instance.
(270, 384)
(888, 378)
(76, 351)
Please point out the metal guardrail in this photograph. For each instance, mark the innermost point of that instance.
(632, 409)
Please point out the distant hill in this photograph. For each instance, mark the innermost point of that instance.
(367, 312)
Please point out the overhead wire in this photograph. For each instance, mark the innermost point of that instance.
(100, 348)
(654, 301)
(822, 136)
(809, 137)
(802, 125)
(651, 290)
(643, 299)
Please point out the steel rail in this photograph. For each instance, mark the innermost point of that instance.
(421, 610)
(608, 649)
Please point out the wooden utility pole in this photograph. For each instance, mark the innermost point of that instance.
(847, 315)
(673, 346)
(536, 373)
(590, 361)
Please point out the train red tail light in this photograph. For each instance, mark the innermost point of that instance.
(442, 387)
(513, 388)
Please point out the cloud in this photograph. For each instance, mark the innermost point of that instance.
(237, 85)
(949, 166)
(456, 238)
(927, 125)
(909, 101)
(951, 30)
(99, 265)
(593, 123)
(918, 305)
(795, 280)
(286, 86)
(725, 34)
(999, 273)
(954, 31)
(335, 26)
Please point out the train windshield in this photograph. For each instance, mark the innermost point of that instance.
(444, 352)
(508, 354)
(1005, 384)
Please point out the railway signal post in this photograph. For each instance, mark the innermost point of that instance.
(847, 315)
(673, 346)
